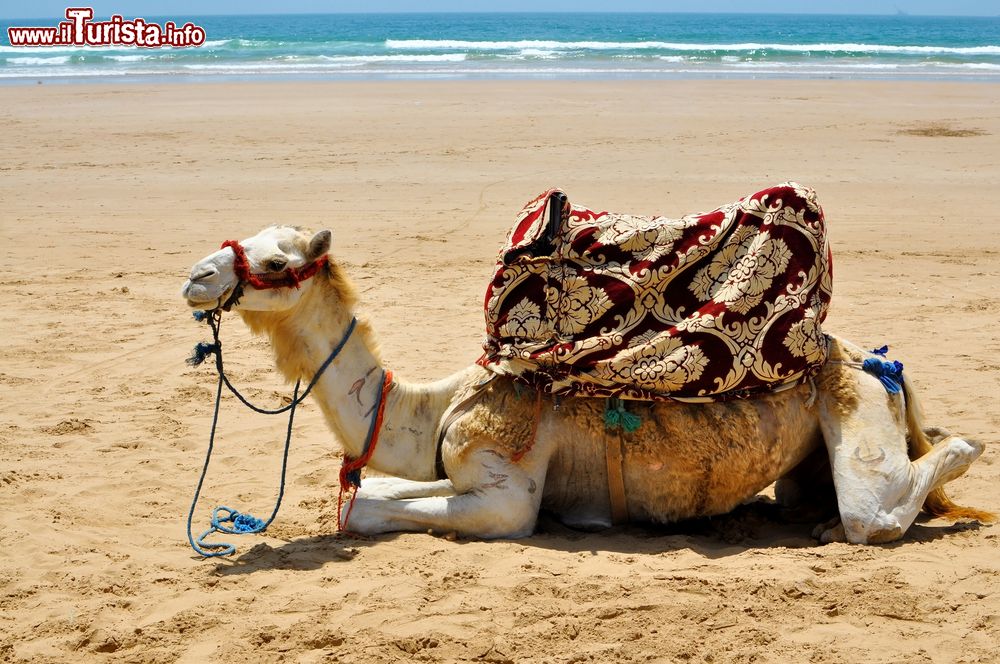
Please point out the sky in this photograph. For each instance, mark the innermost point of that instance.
(132, 8)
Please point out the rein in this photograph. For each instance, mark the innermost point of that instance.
(243, 523)
(225, 519)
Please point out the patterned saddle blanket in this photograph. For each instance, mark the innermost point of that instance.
(716, 305)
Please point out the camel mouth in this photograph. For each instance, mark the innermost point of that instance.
(198, 296)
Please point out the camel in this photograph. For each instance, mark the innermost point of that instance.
(477, 455)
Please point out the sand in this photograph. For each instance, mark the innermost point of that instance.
(111, 192)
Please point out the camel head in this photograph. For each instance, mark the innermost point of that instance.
(267, 272)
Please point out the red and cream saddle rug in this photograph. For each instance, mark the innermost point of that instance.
(717, 305)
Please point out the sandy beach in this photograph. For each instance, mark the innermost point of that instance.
(111, 192)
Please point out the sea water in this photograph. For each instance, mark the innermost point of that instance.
(536, 45)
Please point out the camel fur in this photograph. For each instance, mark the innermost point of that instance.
(503, 466)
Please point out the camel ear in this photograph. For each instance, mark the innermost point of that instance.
(319, 245)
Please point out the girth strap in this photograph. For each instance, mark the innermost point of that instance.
(615, 457)
(452, 415)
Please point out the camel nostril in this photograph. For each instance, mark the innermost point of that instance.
(206, 273)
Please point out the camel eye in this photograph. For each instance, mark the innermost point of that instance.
(276, 264)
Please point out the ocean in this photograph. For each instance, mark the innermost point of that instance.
(533, 46)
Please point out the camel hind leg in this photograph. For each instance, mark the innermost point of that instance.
(880, 490)
(806, 493)
(922, 440)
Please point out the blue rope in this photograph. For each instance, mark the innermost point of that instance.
(203, 350)
(243, 523)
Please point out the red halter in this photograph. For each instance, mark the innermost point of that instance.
(290, 277)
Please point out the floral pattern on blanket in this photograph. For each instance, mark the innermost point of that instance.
(722, 304)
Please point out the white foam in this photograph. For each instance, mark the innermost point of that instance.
(445, 57)
(318, 64)
(257, 66)
(38, 50)
(526, 62)
(453, 44)
(57, 60)
(541, 53)
(967, 65)
(64, 73)
(241, 43)
(128, 58)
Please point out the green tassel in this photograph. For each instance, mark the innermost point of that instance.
(612, 419)
(615, 417)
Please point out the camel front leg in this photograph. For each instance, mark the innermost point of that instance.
(502, 501)
(395, 488)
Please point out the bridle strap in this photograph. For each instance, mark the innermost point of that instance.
(291, 277)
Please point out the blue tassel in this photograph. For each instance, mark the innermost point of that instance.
(883, 351)
(889, 373)
(200, 315)
(202, 351)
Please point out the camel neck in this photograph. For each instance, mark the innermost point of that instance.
(348, 390)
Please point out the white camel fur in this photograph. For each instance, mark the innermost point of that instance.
(685, 461)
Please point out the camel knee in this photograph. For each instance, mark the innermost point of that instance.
(516, 519)
(948, 459)
(959, 455)
(878, 527)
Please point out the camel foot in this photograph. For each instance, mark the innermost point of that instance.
(830, 531)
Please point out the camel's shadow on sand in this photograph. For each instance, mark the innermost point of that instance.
(759, 525)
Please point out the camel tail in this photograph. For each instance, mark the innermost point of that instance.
(937, 503)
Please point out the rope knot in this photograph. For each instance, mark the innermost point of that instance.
(201, 351)
(350, 474)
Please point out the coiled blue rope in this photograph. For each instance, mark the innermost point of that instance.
(242, 523)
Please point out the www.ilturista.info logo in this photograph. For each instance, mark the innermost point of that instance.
(80, 30)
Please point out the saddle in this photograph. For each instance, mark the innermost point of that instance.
(716, 305)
